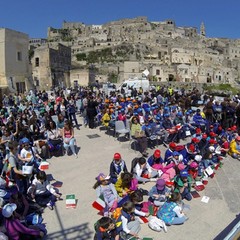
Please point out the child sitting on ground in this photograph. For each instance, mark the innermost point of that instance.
(105, 188)
(105, 229)
(159, 193)
(126, 184)
(127, 225)
(42, 191)
(171, 212)
(142, 171)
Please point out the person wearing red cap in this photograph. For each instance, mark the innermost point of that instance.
(188, 153)
(197, 134)
(169, 151)
(117, 166)
(202, 145)
(234, 150)
(224, 145)
(155, 158)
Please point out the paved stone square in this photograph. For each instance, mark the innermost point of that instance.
(206, 221)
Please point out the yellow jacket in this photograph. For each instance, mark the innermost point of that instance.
(106, 119)
(119, 187)
(233, 147)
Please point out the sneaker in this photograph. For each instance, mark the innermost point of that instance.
(164, 227)
(76, 156)
(50, 206)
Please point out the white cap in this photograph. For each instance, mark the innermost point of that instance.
(8, 209)
(198, 158)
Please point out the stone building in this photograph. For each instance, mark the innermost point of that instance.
(51, 64)
(81, 77)
(15, 73)
(172, 50)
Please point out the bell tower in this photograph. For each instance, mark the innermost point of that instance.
(202, 30)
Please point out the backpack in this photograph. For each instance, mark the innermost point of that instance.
(133, 164)
(156, 224)
(116, 213)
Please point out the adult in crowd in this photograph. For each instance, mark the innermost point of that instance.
(91, 110)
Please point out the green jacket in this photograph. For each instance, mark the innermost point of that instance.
(179, 183)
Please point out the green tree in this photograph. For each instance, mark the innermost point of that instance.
(81, 57)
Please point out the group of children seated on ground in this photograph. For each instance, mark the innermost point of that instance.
(21, 211)
(176, 172)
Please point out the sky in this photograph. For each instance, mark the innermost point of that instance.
(221, 17)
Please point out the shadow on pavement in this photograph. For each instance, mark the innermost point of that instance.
(225, 231)
(79, 232)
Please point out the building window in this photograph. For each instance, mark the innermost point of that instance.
(157, 72)
(133, 70)
(19, 56)
(36, 62)
(37, 83)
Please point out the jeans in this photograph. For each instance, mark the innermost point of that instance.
(186, 194)
(178, 221)
(70, 144)
(72, 117)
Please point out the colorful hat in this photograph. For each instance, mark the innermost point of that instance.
(184, 173)
(204, 136)
(172, 145)
(117, 156)
(8, 209)
(193, 165)
(195, 140)
(157, 153)
(160, 184)
(175, 153)
(212, 141)
(101, 177)
(191, 148)
(198, 130)
(212, 134)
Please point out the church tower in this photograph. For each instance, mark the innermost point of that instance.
(202, 30)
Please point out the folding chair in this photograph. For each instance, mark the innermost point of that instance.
(120, 129)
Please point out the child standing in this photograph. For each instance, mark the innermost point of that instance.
(106, 189)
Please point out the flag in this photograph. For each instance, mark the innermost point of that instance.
(43, 166)
(57, 184)
(144, 219)
(99, 204)
(71, 201)
(151, 209)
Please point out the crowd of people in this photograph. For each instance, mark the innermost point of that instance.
(210, 132)
(37, 125)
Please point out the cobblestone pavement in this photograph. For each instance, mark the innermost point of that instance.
(206, 221)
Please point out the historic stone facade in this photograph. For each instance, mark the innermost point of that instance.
(15, 74)
(51, 64)
(168, 51)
